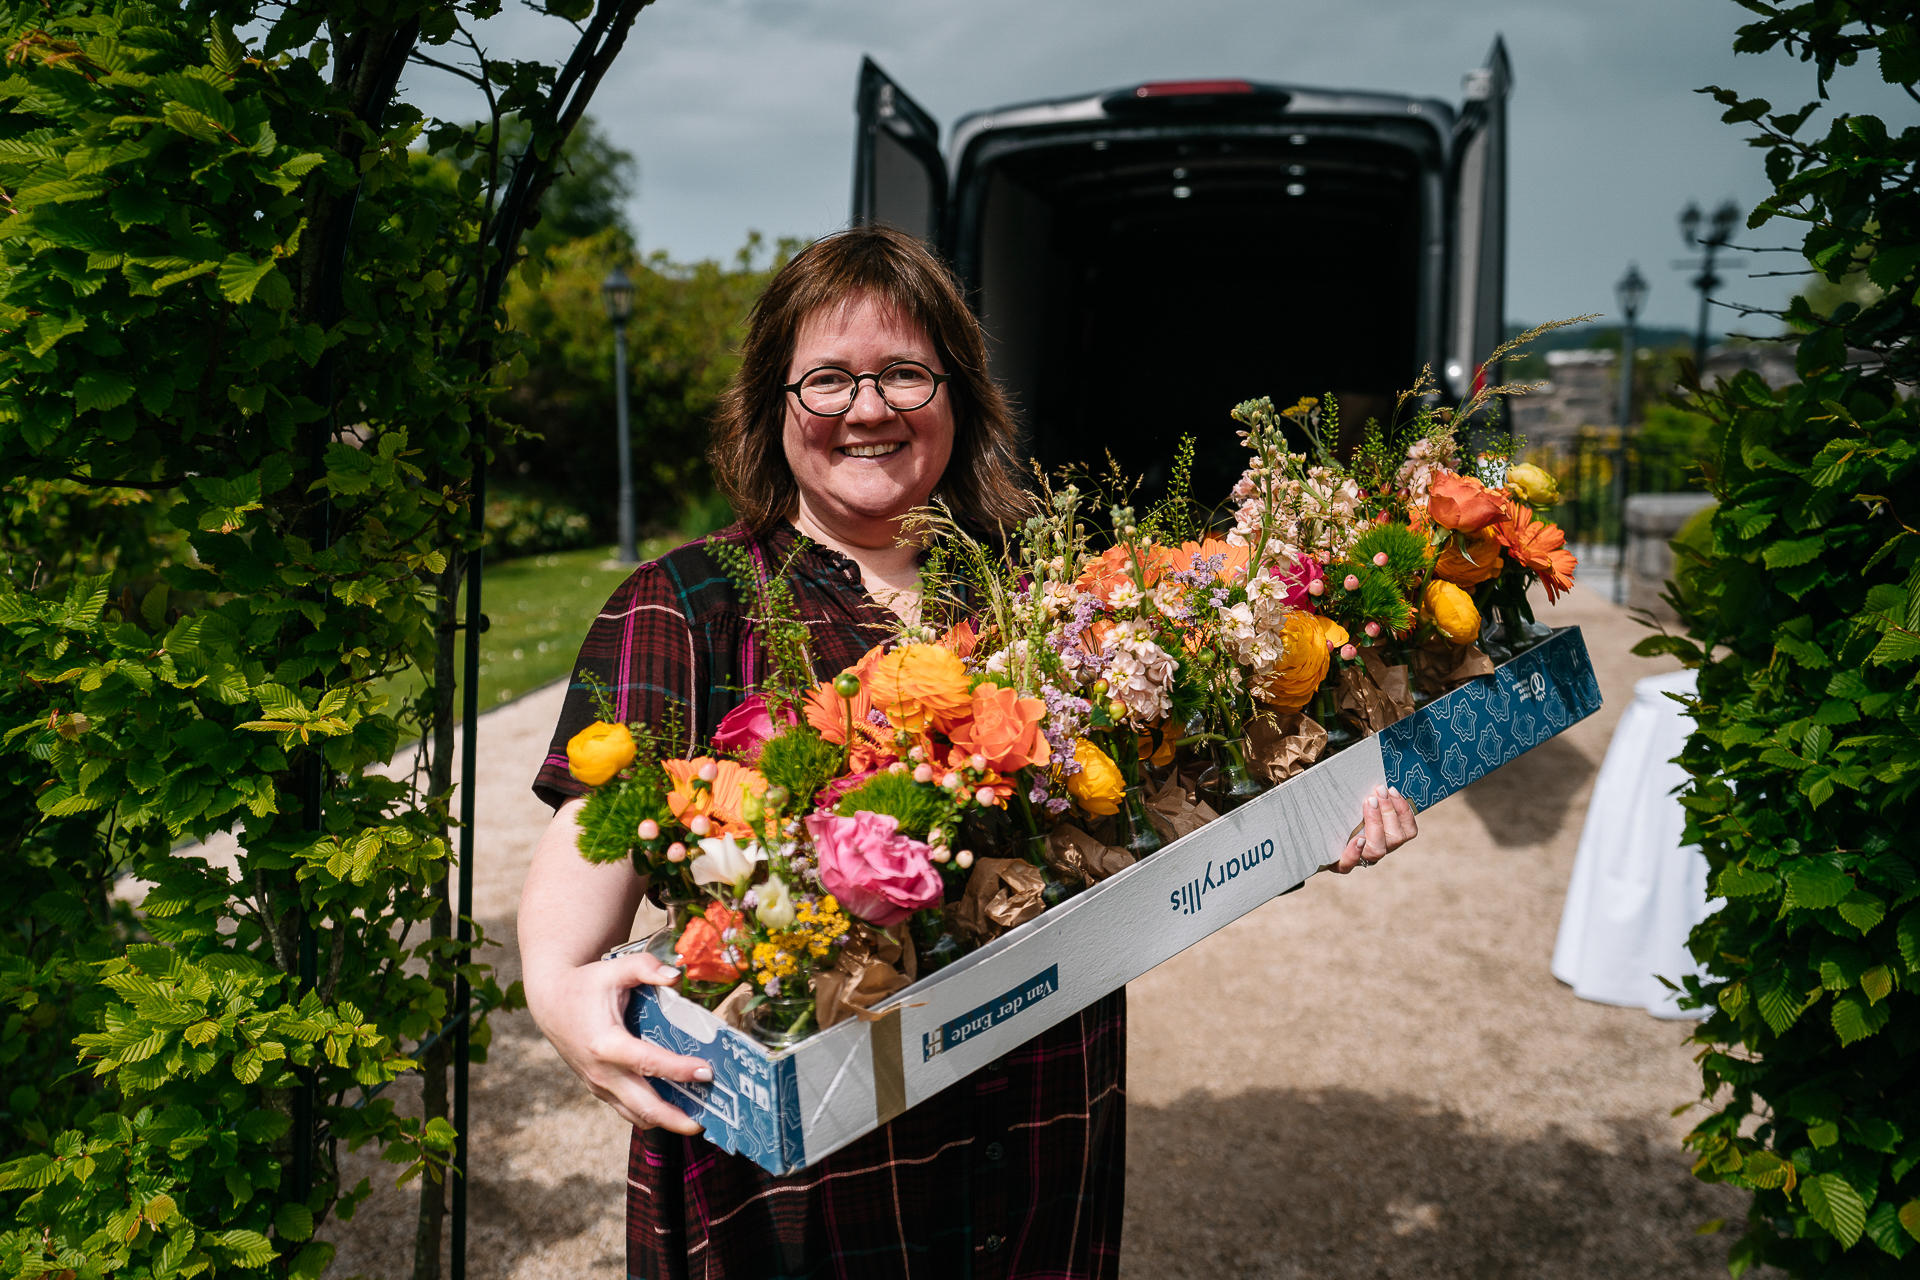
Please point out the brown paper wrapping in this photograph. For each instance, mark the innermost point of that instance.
(1076, 855)
(1440, 667)
(872, 966)
(732, 1010)
(1280, 744)
(1001, 893)
(1394, 682)
(1175, 812)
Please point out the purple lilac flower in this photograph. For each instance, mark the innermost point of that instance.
(773, 987)
(1058, 806)
(876, 716)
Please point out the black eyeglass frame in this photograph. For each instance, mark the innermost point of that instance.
(853, 396)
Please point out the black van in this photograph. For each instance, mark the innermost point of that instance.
(1144, 258)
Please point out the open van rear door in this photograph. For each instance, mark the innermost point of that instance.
(1476, 323)
(898, 175)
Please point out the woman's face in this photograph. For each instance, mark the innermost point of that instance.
(873, 463)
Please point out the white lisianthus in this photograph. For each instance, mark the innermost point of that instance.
(721, 861)
(776, 908)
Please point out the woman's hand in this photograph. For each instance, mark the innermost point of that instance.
(1386, 823)
(580, 1011)
(571, 913)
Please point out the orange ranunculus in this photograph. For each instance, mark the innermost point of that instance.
(1232, 570)
(1470, 558)
(1539, 546)
(920, 686)
(1303, 661)
(723, 801)
(598, 752)
(1005, 728)
(703, 945)
(960, 638)
(1462, 503)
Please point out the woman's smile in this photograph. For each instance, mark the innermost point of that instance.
(872, 450)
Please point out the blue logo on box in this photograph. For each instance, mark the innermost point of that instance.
(991, 1014)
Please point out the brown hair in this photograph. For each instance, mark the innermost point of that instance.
(748, 451)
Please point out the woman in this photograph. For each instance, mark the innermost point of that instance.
(1015, 1171)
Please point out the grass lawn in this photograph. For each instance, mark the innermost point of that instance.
(539, 608)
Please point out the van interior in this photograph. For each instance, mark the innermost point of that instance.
(1134, 289)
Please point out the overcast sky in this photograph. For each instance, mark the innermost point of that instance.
(740, 112)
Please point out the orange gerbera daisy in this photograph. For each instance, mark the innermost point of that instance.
(722, 801)
(827, 712)
(1105, 572)
(1539, 546)
(1232, 570)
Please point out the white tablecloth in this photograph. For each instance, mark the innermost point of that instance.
(1636, 891)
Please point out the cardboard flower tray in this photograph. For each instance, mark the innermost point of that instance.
(788, 1109)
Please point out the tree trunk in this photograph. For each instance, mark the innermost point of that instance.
(433, 1068)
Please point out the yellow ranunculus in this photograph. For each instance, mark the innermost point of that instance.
(1303, 662)
(1451, 610)
(598, 752)
(1098, 786)
(1532, 485)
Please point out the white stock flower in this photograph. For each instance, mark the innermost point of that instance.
(721, 861)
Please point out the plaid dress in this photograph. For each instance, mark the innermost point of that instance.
(1016, 1171)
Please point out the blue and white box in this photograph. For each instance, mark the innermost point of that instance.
(786, 1110)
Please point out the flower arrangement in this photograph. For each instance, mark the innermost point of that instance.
(1069, 700)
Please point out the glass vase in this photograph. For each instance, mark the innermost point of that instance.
(1058, 889)
(1231, 783)
(780, 1022)
(1134, 830)
(1326, 710)
(935, 941)
(663, 943)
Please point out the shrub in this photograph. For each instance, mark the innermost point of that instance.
(1803, 616)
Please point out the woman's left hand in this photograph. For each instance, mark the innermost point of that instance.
(1386, 823)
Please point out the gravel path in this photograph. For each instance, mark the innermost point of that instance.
(1374, 1077)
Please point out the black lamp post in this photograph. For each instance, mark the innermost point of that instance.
(1718, 232)
(617, 291)
(1632, 292)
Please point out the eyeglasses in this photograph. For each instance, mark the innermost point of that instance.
(830, 391)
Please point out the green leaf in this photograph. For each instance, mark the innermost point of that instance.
(1907, 935)
(293, 1221)
(1781, 1007)
(1883, 1228)
(1812, 884)
(1910, 1218)
(227, 52)
(1835, 1205)
(240, 276)
(1785, 555)
(249, 1248)
(1862, 910)
(1877, 982)
(1739, 881)
(101, 390)
(1854, 1020)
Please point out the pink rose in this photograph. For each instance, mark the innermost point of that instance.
(875, 872)
(747, 727)
(1299, 579)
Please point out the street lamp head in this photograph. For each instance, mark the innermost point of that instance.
(1632, 292)
(1690, 224)
(1725, 219)
(617, 291)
